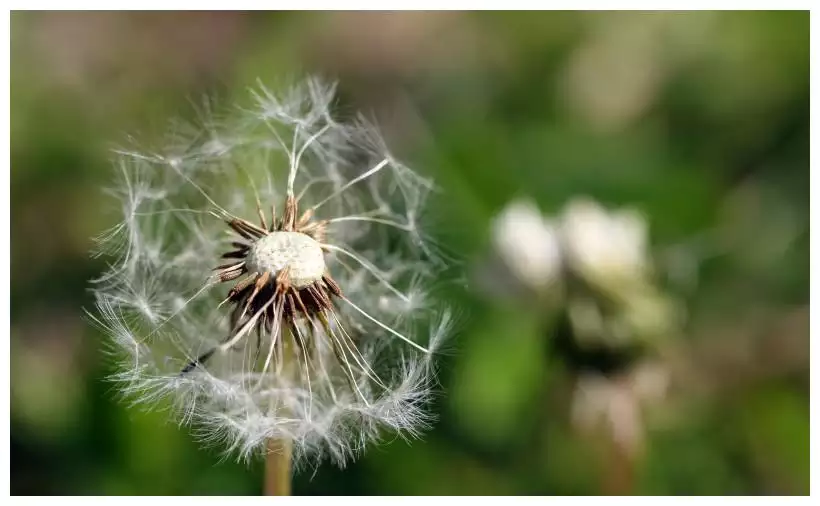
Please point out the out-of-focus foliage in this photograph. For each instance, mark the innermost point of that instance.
(699, 120)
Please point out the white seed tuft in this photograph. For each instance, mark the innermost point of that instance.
(329, 383)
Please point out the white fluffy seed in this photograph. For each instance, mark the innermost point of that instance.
(278, 250)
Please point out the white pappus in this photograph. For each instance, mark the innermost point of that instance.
(270, 278)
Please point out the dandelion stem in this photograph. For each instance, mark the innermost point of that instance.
(278, 467)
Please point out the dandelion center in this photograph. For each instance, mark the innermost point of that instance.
(277, 250)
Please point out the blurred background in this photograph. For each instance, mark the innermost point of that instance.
(627, 192)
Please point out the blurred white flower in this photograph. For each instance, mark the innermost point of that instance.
(608, 249)
(327, 290)
(604, 247)
(598, 258)
(527, 244)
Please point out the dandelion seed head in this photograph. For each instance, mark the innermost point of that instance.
(269, 279)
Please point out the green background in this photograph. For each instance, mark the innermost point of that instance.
(700, 119)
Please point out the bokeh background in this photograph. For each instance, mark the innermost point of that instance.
(699, 120)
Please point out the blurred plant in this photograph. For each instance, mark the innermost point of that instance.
(592, 268)
(526, 249)
(333, 288)
(592, 262)
(618, 401)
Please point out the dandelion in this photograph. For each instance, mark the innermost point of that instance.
(614, 322)
(304, 338)
(607, 249)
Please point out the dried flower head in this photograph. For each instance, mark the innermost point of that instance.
(305, 331)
